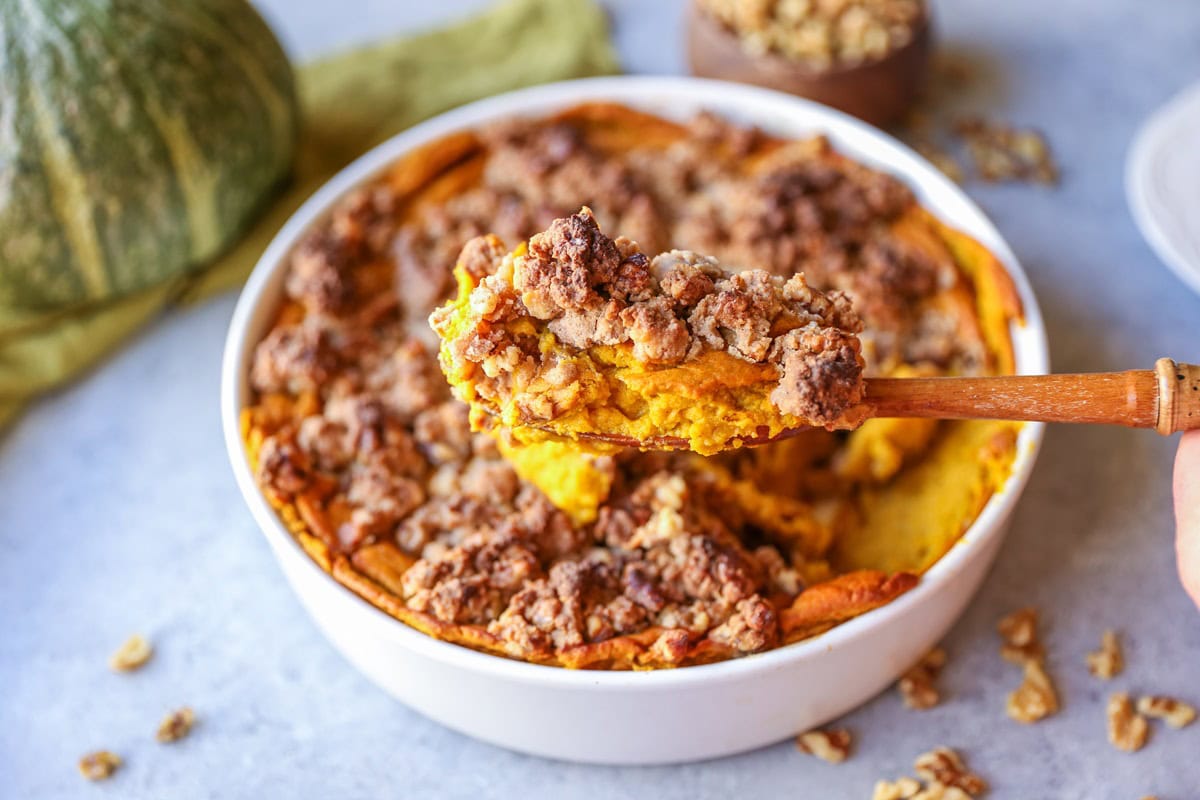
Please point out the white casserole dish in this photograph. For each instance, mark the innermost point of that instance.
(666, 715)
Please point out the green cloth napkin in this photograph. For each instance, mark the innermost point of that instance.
(351, 102)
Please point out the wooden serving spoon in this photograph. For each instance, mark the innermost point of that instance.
(1166, 398)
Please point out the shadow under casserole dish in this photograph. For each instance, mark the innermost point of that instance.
(626, 560)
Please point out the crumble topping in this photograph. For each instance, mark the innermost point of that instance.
(131, 655)
(588, 290)
(354, 435)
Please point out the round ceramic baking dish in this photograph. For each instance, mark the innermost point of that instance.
(666, 715)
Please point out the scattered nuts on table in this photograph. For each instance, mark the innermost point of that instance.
(132, 655)
(832, 745)
(176, 725)
(1175, 713)
(99, 765)
(918, 686)
(1127, 729)
(1107, 662)
(945, 766)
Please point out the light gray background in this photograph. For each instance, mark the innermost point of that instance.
(118, 512)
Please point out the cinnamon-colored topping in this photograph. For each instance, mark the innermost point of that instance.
(587, 290)
(355, 438)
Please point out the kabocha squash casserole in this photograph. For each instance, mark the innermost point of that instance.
(577, 335)
(621, 560)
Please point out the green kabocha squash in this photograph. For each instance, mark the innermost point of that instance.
(137, 140)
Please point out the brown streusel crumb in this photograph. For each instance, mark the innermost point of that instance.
(589, 290)
(99, 765)
(132, 655)
(831, 744)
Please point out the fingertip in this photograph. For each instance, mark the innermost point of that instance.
(1187, 512)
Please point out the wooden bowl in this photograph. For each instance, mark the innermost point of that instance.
(877, 91)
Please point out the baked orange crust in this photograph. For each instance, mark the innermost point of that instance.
(873, 468)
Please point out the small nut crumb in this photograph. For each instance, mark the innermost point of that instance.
(1107, 662)
(1175, 713)
(176, 725)
(900, 789)
(939, 791)
(1035, 698)
(132, 655)
(917, 686)
(942, 765)
(1004, 153)
(1019, 630)
(1127, 729)
(100, 765)
(832, 745)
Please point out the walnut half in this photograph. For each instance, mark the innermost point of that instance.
(832, 745)
(1107, 662)
(1035, 698)
(918, 686)
(1127, 729)
(1175, 713)
(100, 765)
(945, 766)
(132, 655)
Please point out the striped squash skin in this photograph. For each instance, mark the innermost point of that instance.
(138, 138)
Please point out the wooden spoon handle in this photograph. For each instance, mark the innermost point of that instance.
(1166, 398)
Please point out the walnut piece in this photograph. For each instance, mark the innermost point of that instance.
(1035, 698)
(1127, 729)
(918, 685)
(1175, 713)
(1004, 153)
(1107, 662)
(832, 745)
(176, 725)
(942, 765)
(100, 765)
(940, 791)
(899, 789)
(1019, 630)
(132, 655)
